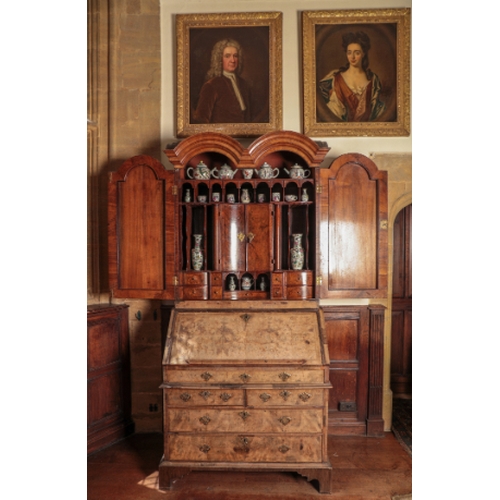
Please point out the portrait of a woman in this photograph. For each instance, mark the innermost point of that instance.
(352, 92)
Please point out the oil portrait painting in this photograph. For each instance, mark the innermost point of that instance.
(356, 72)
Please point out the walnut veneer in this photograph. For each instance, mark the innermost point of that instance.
(246, 387)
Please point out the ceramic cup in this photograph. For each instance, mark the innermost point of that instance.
(261, 197)
(231, 198)
(247, 173)
(202, 198)
(216, 197)
(276, 196)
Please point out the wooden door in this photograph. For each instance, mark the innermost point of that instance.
(352, 237)
(401, 330)
(245, 237)
(141, 218)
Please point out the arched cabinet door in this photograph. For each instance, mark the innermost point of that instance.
(141, 221)
(352, 235)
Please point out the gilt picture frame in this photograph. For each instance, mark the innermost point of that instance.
(373, 102)
(209, 98)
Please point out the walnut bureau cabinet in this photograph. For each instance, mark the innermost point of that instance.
(246, 242)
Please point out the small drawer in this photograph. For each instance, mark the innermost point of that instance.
(286, 397)
(277, 292)
(216, 292)
(277, 279)
(216, 279)
(299, 292)
(195, 292)
(194, 278)
(299, 278)
(187, 397)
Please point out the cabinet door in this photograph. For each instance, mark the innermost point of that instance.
(141, 230)
(352, 258)
(259, 237)
(245, 237)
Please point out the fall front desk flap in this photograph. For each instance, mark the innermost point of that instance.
(259, 337)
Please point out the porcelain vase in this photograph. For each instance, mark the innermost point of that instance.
(297, 252)
(197, 253)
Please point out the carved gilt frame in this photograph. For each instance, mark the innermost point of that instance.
(260, 36)
(389, 57)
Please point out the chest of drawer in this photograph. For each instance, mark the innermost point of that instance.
(244, 448)
(276, 420)
(245, 375)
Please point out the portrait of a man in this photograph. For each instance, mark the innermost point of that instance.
(229, 75)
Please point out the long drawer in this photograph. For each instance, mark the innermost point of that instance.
(244, 375)
(286, 396)
(302, 420)
(244, 448)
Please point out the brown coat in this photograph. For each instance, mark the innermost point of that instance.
(218, 102)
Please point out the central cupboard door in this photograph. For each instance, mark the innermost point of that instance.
(246, 238)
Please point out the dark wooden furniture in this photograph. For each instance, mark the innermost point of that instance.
(192, 235)
(108, 376)
(401, 329)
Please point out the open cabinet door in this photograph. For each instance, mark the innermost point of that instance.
(352, 235)
(141, 221)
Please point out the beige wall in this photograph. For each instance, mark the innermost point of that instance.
(133, 112)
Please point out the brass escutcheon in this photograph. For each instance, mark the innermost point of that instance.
(285, 394)
(226, 397)
(205, 448)
(284, 376)
(285, 420)
(245, 377)
(206, 376)
(241, 236)
(304, 396)
(205, 420)
(283, 448)
(265, 397)
(245, 441)
(244, 414)
(205, 394)
(185, 396)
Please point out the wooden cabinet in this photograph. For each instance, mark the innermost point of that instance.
(246, 387)
(108, 376)
(264, 230)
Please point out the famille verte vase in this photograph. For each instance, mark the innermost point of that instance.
(297, 252)
(197, 253)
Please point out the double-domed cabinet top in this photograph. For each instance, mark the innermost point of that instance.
(269, 221)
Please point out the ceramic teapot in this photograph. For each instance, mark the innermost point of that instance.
(297, 172)
(225, 172)
(201, 172)
(267, 172)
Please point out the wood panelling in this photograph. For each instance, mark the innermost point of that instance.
(108, 376)
(401, 329)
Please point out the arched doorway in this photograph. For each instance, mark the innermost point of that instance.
(401, 331)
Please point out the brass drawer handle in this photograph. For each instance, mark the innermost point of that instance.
(285, 394)
(245, 377)
(206, 376)
(244, 414)
(226, 397)
(205, 448)
(265, 397)
(304, 396)
(205, 420)
(283, 448)
(205, 394)
(185, 396)
(285, 420)
(284, 376)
